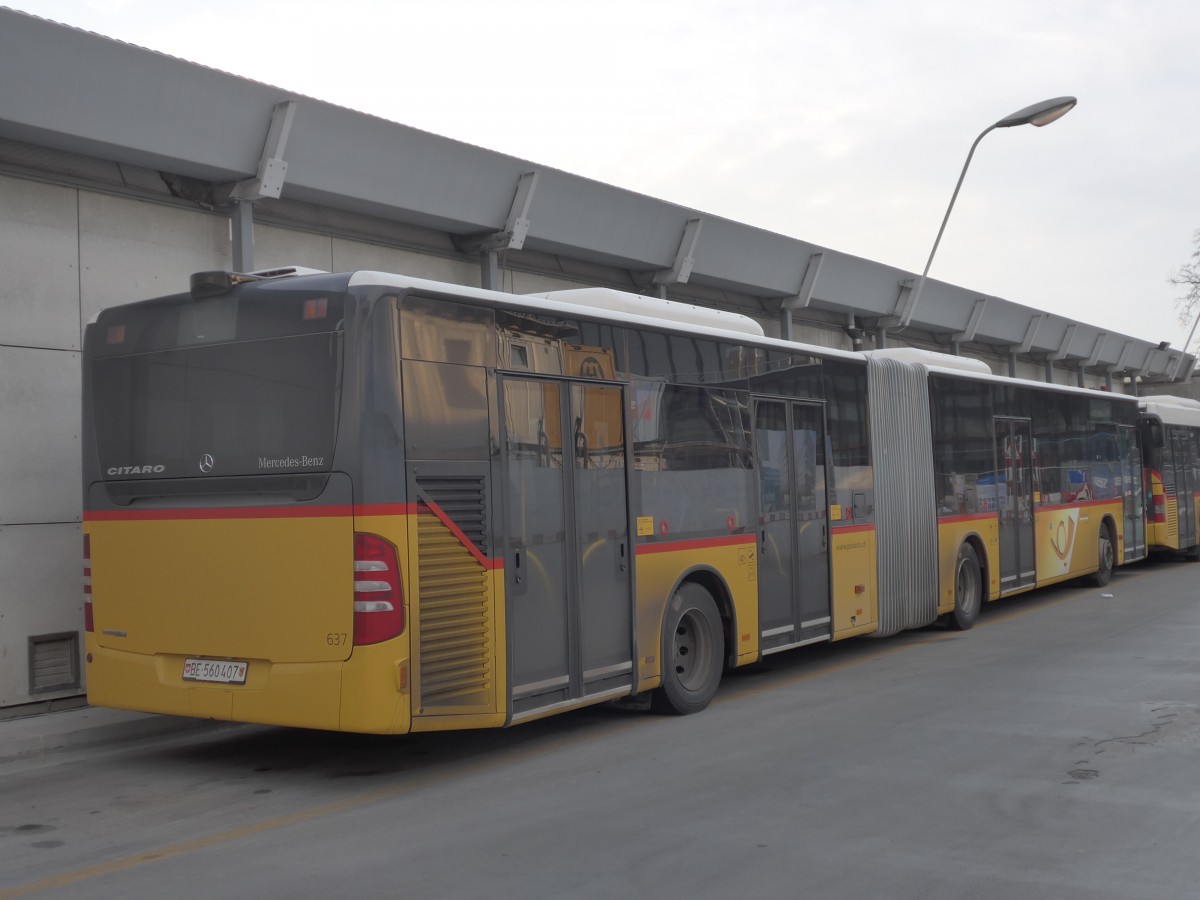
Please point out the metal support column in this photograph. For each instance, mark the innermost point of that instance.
(802, 297)
(489, 270)
(267, 182)
(241, 235)
(489, 244)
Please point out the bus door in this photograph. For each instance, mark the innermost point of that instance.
(1182, 451)
(1131, 492)
(568, 577)
(1014, 500)
(793, 530)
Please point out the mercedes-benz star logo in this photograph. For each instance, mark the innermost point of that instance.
(206, 463)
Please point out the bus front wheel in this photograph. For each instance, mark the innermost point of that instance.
(968, 589)
(693, 652)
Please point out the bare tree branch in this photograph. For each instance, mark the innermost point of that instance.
(1187, 276)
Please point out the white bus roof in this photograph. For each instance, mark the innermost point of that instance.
(1172, 410)
(963, 367)
(707, 322)
(932, 359)
(655, 307)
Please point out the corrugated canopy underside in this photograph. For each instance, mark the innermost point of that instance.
(71, 90)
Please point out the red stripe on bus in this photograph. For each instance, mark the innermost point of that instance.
(279, 512)
(385, 509)
(1082, 504)
(223, 512)
(698, 544)
(971, 517)
(253, 512)
(850, 529)
(462, 538)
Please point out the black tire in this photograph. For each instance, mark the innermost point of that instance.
(1105, 555)
(968, 589)
(693, 652)
(1192, 553)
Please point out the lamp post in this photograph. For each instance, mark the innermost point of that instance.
(1183, 352)
(1039, 114)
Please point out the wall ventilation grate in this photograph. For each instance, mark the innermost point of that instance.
(53, 662)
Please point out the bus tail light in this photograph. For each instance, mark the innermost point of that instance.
(378, 598)
(89, 624)
(1160, 509)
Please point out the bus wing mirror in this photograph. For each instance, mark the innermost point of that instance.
(1152, 433)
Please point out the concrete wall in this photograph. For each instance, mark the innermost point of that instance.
(66, 252)
(41, 574)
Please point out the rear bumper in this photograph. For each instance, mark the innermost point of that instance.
(367, 693)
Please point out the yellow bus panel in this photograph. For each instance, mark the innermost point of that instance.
(854, 588)
(659, 567)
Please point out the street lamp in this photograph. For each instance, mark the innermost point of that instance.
(1039, 114)
(1183, 352)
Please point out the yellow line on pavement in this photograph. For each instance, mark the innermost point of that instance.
(297, 818)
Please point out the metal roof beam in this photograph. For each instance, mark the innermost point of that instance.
(1031, 330)
(1171, 364)
(1162, 361)
(1065, 346)
(685, 256)
(968, 334)
(272, 167)
(1096, 349)
(1119, 365)
(902, 310)
(808, 284)
(516, 226)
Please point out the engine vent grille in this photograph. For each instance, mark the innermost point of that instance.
(456, 665)
(464, 501)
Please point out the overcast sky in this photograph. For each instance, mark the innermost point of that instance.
(842, 123)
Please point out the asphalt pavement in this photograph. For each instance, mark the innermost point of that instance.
(39, 736)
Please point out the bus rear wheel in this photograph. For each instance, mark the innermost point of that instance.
(1105, 558)
(693, 652)
(968, 590)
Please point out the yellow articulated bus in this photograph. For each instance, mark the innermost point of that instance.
(366, 502)
(1035, 483)
(1171, 437)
